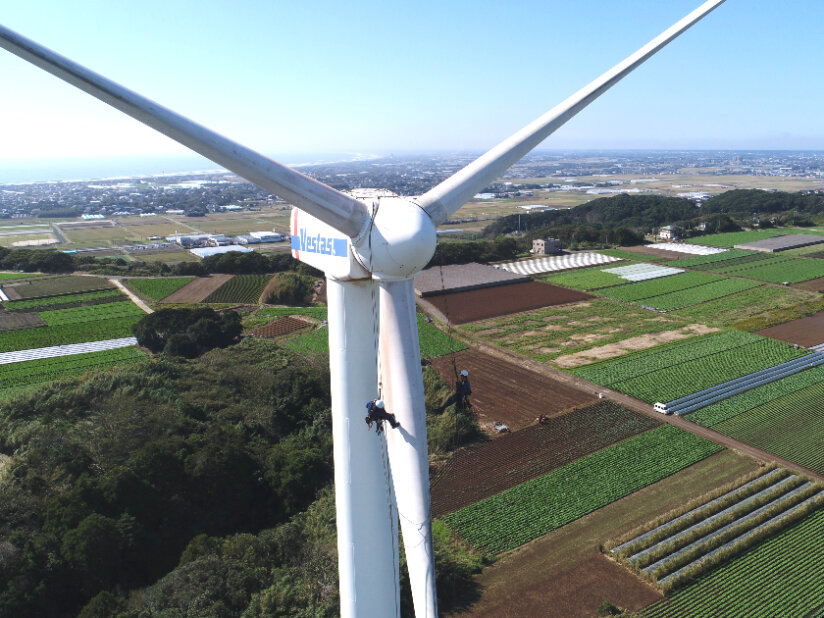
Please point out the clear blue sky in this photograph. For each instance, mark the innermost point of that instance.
(377, 76)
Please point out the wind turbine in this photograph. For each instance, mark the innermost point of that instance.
(370, 244)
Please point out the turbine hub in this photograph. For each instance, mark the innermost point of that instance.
(401, 240)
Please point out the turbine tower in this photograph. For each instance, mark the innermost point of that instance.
(370, 244)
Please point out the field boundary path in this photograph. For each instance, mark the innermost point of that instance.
(640, 406)
(134, 297)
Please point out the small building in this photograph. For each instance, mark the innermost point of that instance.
(670, 232)
(267, 236)
(546, 246)
(219, 240)
(245, 239)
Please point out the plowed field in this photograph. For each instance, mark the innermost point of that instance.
(504, 391)
(807, 331)
(18, 321)
(463, 307)
(477, 473)
(281, 326)
(198, 289)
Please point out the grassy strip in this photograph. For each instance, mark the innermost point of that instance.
(10, 276)
(518, 515)
(319, 313)
(155, 289)
(692, 512)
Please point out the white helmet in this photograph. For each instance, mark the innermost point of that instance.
(379, 404)
(464, 373)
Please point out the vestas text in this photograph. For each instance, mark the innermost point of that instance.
(319, 244)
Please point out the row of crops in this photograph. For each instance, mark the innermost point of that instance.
(696, 539)
(748, 586)
(518, 515)
(730, 239)
(157, 288)
(48, 369)
(57, 302)
(667, 372)
(94, 313)
(42, 287)
(244, 289)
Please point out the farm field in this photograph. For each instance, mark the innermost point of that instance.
(565, 333)
(773, 268)
(730, 239)
(481, 471)
(668, 372)
(564, 574)
(507, 392)
(54, 286)
(313, 345)
(281, 326)
(17, 321)
(714, 259)
(75, 325)
(518, 515)
(198, 289)
(157, 288)
(642, 252)
(780, 577)
(243, 289)
(698, 294)
(48, 369)
(791, 426)
(64, 301)
(635, 292)
(807, 331)
(760, 301)
(463, 307)
(12, 276)
(584, 279)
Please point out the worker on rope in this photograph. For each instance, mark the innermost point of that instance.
(376, 413)
(462, 392)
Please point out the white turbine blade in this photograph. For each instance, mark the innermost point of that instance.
(367, 518)
(443, 200)
(400, 371)
(330, 206)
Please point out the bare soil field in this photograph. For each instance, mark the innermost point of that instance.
(813, 285)
(281, 326)
(18, 321)
(198, 289)
(42, 287)
(463, 307)
(481, 471)
(563, 574)
(806, 332)
(507, 392)
(673, 255)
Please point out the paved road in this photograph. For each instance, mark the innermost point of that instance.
(633, 404)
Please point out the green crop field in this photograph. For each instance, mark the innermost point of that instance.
(319, 313)
(244, 289)
(708, 260)
(94, 313)
(632, 255)
(554, 333)
(155, 289)
(48, 369)
(584, 279)
(636, 292)
(743, 305)
(11, 276)
(730, 239)
(791, 426)
(698, 294)
(313, 345)
(671, 371)
(768, 267)
(518, 515)
(780, 577)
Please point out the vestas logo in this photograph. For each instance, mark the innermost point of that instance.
(318, 244)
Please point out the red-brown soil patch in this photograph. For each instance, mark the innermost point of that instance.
(806, 332)
(195, 291)
(672, 255)
(17, 321)
(813, 285)
(281, 326)
(485, 470)
(504, 391)
(462, 307)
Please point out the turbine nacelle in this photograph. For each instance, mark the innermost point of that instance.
(398, 242)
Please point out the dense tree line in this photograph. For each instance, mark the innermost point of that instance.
(180, 487)
(502, 248)
(751, 201)
(187, 332)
